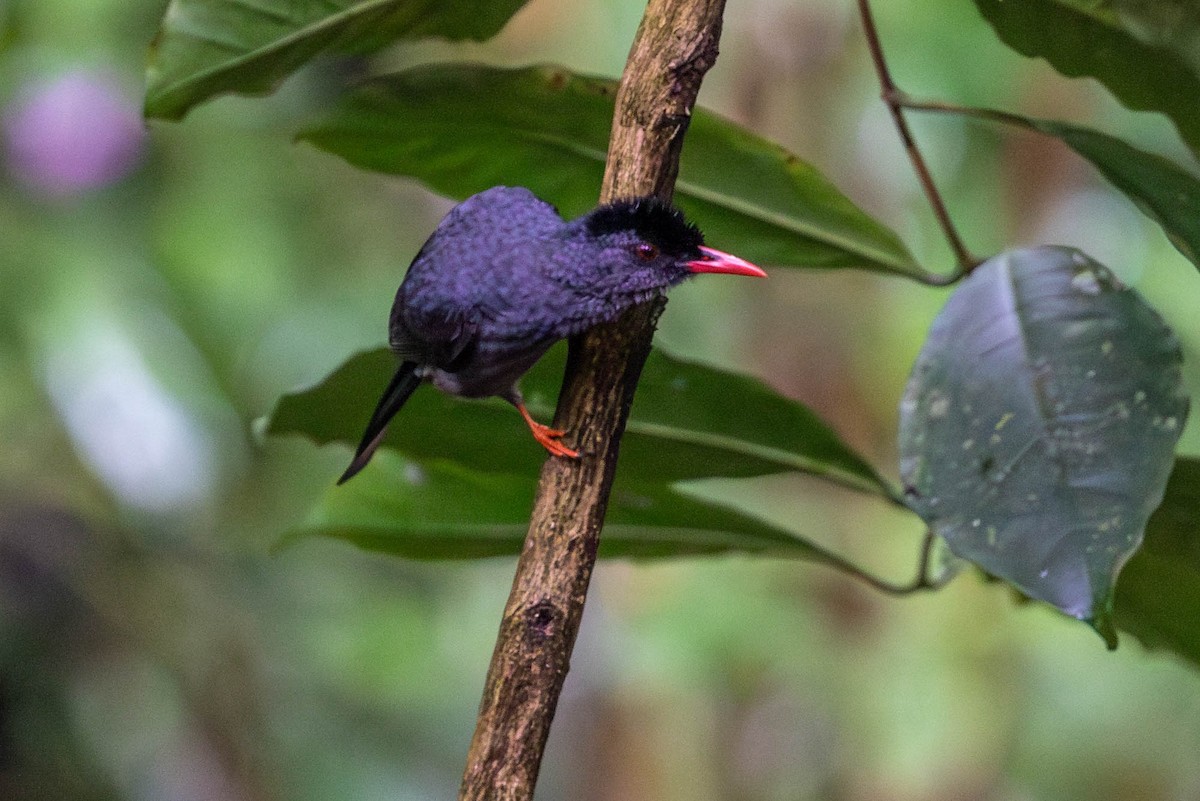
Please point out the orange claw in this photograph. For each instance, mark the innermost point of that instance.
(545, 435)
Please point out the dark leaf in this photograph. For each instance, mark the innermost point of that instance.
(440, 510)
(1038, 428)
(463, 128)
(209, 47)
(1158, 596)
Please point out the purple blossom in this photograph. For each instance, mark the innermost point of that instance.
(71, 134)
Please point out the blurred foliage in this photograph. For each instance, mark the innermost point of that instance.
(165, 286)
(1163, 191)
(1161, 582)
(205, 48)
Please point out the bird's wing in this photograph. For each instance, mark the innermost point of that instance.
(441, 335)
(475, 269)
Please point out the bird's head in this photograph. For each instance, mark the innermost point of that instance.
(646, 245)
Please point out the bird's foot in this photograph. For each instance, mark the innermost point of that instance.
(549, 439)
(546, 436)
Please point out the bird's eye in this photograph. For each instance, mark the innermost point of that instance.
(646, 252)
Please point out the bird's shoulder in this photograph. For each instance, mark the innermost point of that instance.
(486, 247)
(485, 226)
(500, 212)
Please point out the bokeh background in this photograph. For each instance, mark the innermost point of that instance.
(160, 286)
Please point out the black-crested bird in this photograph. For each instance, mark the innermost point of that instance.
(504, 277)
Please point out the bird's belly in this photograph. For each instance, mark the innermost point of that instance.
(491, 370)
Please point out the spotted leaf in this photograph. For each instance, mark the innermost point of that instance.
(1038, 427)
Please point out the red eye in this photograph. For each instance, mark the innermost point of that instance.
(646, 252)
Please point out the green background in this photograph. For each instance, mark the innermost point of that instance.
(154, 643)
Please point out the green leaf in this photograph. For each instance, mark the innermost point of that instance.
(1158, 596)
(688, 421)
(692, 421)
(463, 128)
(1164, 191)
(487, 435)
(1038, 428)
(209, 47)
(775, 208)
(440, 510)
(1144, 51)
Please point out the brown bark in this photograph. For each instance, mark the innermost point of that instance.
(674, 47)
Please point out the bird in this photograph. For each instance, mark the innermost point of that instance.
(503, 277)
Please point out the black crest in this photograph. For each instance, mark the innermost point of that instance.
(651, 219)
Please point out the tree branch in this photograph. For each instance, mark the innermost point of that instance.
(674, 47)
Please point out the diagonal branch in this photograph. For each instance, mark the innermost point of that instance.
(673, 49)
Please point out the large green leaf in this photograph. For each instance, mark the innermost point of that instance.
(208, 47)
(1163, 190)
(693, 421)
(1144, 51)
(1038, 428)
(688, 421)
(463, 128)
(1158, 596)
(441, 510)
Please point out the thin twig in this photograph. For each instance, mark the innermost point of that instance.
(892, 97)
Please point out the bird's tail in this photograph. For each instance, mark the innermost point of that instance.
(403, 384)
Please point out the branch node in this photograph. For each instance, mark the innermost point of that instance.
(542, 618)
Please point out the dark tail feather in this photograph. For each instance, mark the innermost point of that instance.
(404, 382)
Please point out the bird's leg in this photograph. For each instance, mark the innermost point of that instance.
(548, 437)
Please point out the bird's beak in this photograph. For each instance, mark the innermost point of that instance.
(714, 261)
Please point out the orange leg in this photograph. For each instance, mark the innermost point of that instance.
(547, 436)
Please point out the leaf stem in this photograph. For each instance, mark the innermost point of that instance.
(921, 581)
(938, 107)
(894, 99)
